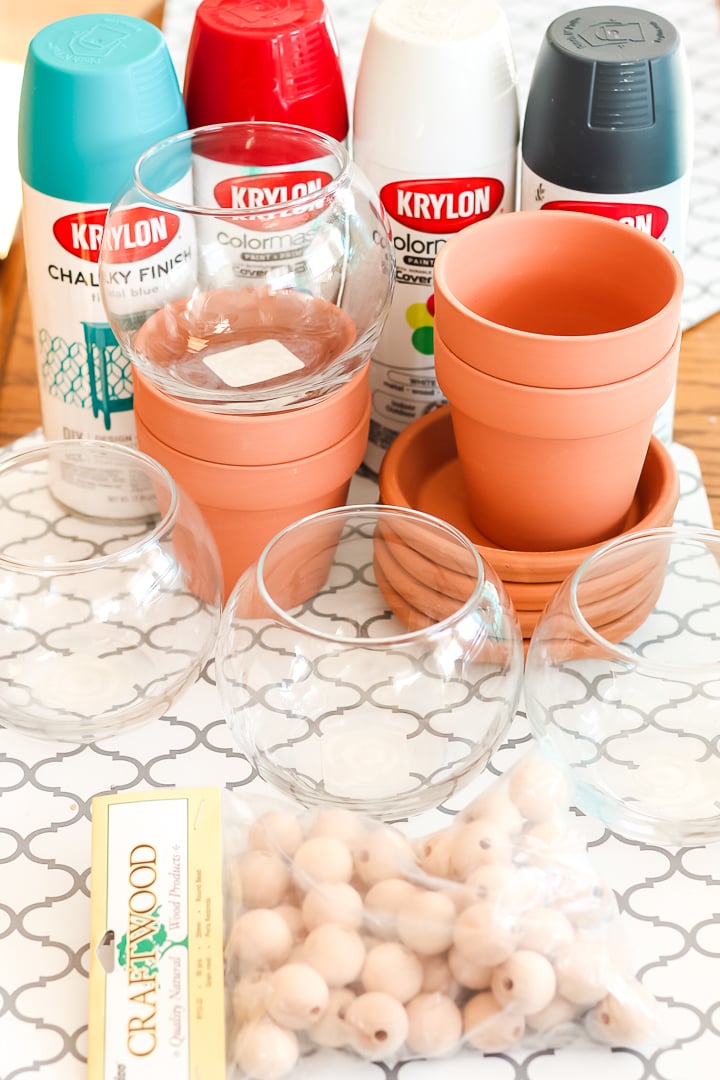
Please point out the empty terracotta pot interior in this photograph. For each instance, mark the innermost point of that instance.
(557, 299)
(179, 338)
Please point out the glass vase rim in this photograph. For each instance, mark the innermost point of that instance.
(376, 511)
(322, 140)
(77, 566)
(704, 534)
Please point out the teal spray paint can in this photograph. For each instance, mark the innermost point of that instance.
(97, 91)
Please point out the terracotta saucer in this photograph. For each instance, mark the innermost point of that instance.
(628, 587)
(421, 470)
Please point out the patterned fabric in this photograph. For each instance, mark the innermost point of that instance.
(667, 900)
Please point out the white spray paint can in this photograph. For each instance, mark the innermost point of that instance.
(435, 130)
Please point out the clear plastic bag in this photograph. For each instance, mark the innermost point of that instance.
(494, 933)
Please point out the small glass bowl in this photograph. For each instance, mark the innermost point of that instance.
(622, 684)
(247, 267)
(348, 680)
(109, 590)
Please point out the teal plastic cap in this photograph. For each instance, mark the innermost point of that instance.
(97, 91)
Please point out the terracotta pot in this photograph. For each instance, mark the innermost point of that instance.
(421, 470)
(245, 505)
(557, 300)
(251, 438)
(547, 469)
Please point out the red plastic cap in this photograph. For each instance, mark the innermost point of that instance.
(265, 60)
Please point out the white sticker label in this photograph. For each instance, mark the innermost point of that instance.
(257, 362)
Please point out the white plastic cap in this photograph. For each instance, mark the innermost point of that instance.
(437, 82)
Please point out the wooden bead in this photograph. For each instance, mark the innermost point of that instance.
(433, 853)
(293, 917)
(538, 788)
(482, 935)
(383, 853)
(322, 858)
(425, 922)
(625, 1017)
(249, 996)
(260, 940)
(336, 953)
(263, 877)
(276, 830)
(298, 996)
(266, 1051)
(332, 901)
(584, 972)
(437, 976)
(394, 969)
(434, 1025)
(332, 1028)
(382, 903)
(378, 1025)
(496, 806)
(559, 1011)
(489, 1028)
(479, 843)
(469, 974)
(524, 983)
(544, 930)
(338, 822)
(491, 881)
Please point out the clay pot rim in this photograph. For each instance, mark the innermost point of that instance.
(537, 220)
(541, 403)
(528, 566)
(235, 477)
(265, 433)
(545, 393)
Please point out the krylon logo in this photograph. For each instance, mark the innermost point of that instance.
(136, 233)
(269, 189)
(642, 216)
(442, 206)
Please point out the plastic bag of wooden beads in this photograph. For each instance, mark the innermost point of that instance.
(494, 934)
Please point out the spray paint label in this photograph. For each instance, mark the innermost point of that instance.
(660, 212)
(84, 377)
(424, 213)
(272, 244)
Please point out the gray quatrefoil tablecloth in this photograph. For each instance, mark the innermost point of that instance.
(667, 900)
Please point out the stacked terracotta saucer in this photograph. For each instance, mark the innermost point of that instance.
(421, 470)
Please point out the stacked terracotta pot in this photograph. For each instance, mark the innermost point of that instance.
(556, 343)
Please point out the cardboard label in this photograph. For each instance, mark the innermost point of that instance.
(156, 969)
